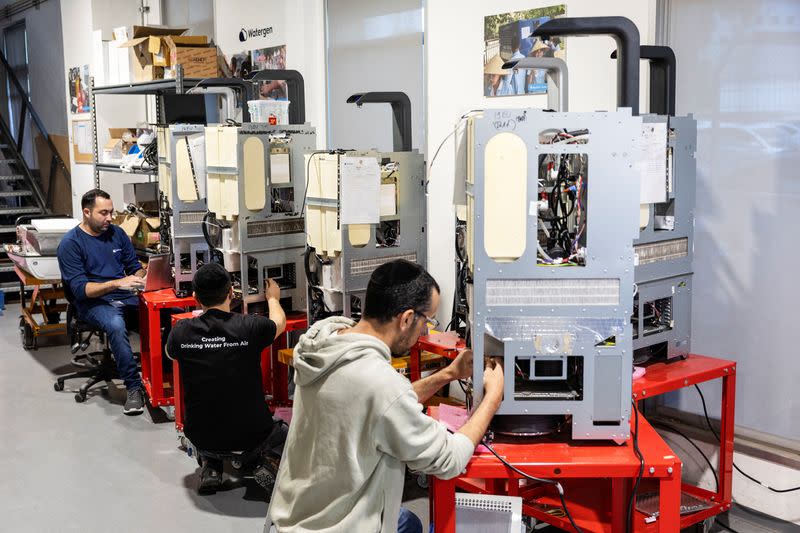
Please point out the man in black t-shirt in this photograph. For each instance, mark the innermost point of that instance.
(219, 358)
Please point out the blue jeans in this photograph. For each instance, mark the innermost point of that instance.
(114, 321)
(408, 522)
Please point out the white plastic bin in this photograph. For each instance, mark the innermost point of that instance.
(269, 111)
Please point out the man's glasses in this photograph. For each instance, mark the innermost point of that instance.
(431, 322)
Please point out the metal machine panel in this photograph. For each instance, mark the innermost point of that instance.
(575, 311)
(180, 180)
(268, 231)
(356, 250)
(664, 249)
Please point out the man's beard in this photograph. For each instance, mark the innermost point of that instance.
(97, 228)
(401, 347)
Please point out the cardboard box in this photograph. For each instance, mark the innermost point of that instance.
(165, 57)
(143, 232)
(145, 45)
(60, 182)
(197, 61)
(116, 147)
(147, 233)
(128, 222)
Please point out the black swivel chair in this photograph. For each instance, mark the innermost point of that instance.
(98, 366)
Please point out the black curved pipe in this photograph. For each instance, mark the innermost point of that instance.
(295, 87)
(626, 35)
(401, 108)
(662, 77)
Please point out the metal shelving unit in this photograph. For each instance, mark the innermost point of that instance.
(111, 167)
(157, 88)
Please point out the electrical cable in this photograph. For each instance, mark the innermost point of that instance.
(308, 169)
(458, 125)
(696, 447)
(638, 453)
(716, 436)
(556, 484)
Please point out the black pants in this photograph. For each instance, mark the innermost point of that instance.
(271, 448)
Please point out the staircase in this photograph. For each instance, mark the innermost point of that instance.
(20, 185)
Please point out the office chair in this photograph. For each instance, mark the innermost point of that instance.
(98, 366)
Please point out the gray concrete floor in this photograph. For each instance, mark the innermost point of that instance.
(87, 467)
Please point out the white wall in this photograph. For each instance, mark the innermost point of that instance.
(77, 45)
(197, 15)
(300, 25)
(46, 69)
(745, 492)
(454, 69)
(374, 46)
(79, 21)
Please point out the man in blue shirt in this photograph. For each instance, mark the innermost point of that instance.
(100, 269)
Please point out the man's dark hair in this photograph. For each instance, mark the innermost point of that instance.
(211, 284)
(395, 287)
(88, 198)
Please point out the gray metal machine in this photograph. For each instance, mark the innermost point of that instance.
(663, 253)
(384, 220)
(255, 186)
(551, 219)
(182, 184)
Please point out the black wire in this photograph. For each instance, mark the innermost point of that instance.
(716, 436)
(556, 484)
(641, 467)
(696, 447)
(308, 168)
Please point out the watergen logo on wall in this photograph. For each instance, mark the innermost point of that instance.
(254, 32)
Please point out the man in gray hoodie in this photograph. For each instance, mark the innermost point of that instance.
(357, 423)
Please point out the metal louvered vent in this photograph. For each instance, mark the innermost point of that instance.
(364, 267)
(552, 292)
(263, 228)
(662, 251)
(191, 217)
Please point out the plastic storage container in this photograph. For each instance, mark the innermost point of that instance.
(269, 111)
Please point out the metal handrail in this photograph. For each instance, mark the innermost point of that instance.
(27, 107)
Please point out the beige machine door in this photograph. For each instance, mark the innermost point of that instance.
(506, 192)
(255, 174)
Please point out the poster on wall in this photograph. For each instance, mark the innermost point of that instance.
(272, 58)
(507, 36)
(78, 81)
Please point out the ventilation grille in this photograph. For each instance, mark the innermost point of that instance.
(264, 228)
(191, 217)
(470, 501)
(552, 292)
(364, 267)
(662, 251)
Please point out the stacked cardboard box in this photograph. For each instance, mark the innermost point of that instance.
(156, 51)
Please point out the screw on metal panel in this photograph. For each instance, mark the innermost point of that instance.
(652, 470)
(669, 470)
(644, 393)
(685, 381)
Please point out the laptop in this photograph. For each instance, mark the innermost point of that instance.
(159, 273)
